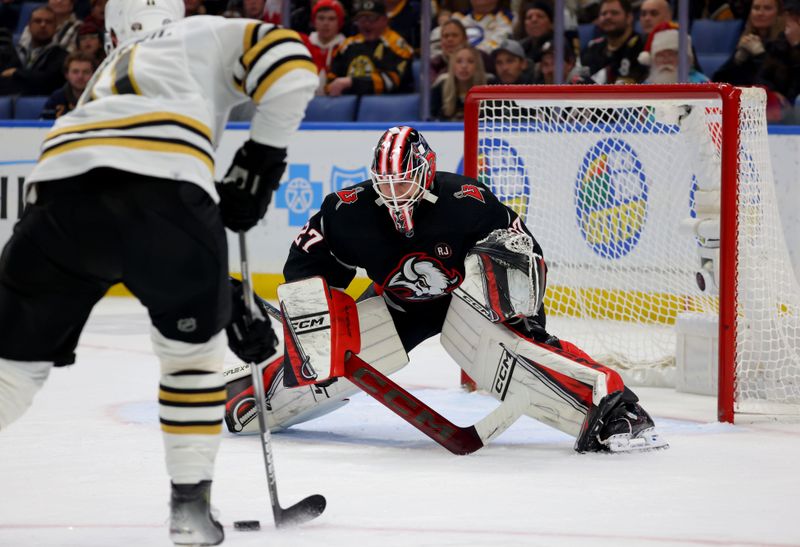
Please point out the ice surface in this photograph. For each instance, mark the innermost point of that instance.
(84, 467)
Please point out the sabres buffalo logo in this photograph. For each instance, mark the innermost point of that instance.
(420, 277)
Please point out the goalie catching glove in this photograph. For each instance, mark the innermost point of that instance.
(246, 190)
(252, 340)
(505, 278)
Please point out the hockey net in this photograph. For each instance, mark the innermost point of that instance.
(651, 203)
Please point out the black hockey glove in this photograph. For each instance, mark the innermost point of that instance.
(252, 341)
(246, 189)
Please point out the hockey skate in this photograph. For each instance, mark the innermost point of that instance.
(191, 521)
(619, 424)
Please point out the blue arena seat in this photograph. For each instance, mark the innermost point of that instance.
(332, 109)
(416, 66)
(25, 14)
(388, 108)
(586, 33)
(29, 108)
(719, 37)
(710, 62)
(5, 108)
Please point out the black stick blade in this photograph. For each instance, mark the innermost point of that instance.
(302, 511)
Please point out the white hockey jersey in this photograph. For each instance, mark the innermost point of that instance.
(158, 105)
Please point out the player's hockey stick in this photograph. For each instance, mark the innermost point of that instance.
(312, 506)
(456, 439)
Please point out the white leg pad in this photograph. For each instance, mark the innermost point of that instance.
(19, 382)
(487, 352)
(380, 346)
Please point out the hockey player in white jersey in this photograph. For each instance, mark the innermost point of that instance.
(124, 191)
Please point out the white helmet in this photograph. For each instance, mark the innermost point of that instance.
(126, 19)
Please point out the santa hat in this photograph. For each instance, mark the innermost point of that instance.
(332, 5)
(664, 36)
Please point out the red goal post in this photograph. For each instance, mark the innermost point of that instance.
(670, 188)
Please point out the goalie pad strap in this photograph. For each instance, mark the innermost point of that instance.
(320, 328)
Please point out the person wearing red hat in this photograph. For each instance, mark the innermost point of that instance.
(661, 55)
(90, 41)
(327, 18)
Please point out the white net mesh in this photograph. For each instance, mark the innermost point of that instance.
(623, 196)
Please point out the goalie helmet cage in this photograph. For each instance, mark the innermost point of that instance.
(640, 195)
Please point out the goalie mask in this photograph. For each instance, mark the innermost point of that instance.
(402, 173)
(126, 19)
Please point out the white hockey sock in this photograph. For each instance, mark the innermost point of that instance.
(191, 405)
(19, 382)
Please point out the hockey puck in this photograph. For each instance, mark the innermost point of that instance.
(247, 525)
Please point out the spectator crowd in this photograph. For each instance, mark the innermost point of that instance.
(363, 47)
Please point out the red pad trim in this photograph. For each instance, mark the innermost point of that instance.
(345, 332)
(574, 353)
(345, 338)
(491, 284)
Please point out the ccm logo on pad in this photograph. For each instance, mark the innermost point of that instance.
(311, 323)
(502, 376)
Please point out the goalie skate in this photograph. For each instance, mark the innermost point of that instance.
(629, 429)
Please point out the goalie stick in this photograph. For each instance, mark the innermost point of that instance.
(456, 439)
(312, 506)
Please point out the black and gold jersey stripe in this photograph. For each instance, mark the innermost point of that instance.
(171, 396)
(78, 136)
(150, 144)
(141, 120)
(258, 41)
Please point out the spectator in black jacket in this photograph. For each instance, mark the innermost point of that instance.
(613, 58)
(780, 72)
(78, 70)
(41, 65)
(538, 29)
(511, 66)
(8, 53)
(762, 33)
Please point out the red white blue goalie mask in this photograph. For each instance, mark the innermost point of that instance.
(402, 172)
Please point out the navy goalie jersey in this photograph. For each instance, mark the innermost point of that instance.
(352, 230)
